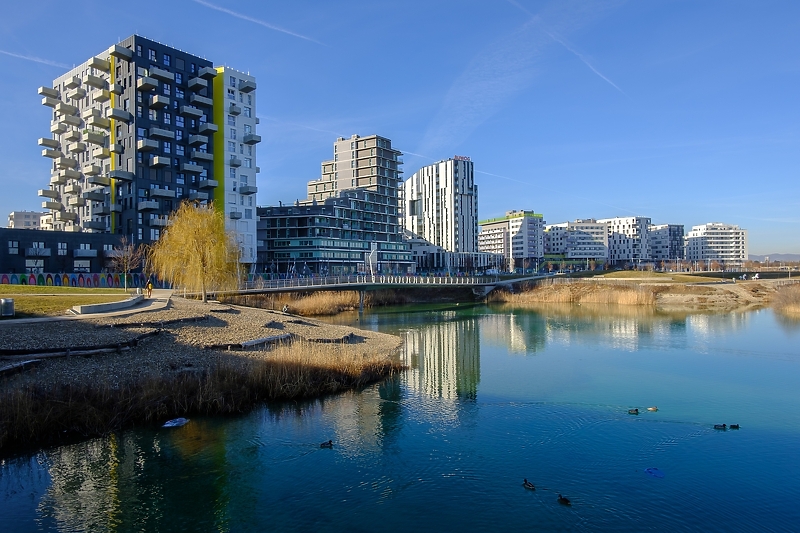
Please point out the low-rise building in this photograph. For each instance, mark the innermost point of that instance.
(582, 239)
(716, 242)
(518, 236)
(25, 219)
(38, 251)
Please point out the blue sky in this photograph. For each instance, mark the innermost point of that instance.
(683, 111)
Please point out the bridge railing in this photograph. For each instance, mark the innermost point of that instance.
(317, 282)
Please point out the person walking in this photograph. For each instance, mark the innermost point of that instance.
(149, 288)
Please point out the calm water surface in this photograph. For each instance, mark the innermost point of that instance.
(493, 395)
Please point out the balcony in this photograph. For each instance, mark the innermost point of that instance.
(122, 175)
(58, 128)
(99, 122)
(49, 143)
(52, 154)
(95, 137)
(251, 138)
(58, 180)
(116, 113)
(100, 64)
(76, 201)
(247, 86)
(164, 134)
(146, 84)
(197, 84)
(101, 153)
(162, 193)
(63, 108)
(91, 112)
(235, 215)
(83, 252)
(94, 224)
(120, 52)
(48, 193)
(70, 174)
(95, 196)
(207, 128)
(76, 94)
(70, 121)
(73, 135)
(159, 161)
(72, 188)
(65, 162)
(158, 222)
(191, 167)
(116, 148)
(202, 156)
(50, 102)
(201, 100)
(113, 208)
(95, 81)
(147, 205)
(191, 111)
(198, 196)
(234, 109)
(208, 73)
(76, 148)
(48, 92)
(146, 145)
(235, 161)
(159, 101)
(197, 140)
(98, 180)
(116, 88)
(248, 189)
(55, 206)
(63, 216)
(37, 252)
(161, 74)
(208, 184)
(72, 82)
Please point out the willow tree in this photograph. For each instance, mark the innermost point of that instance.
(195, 251)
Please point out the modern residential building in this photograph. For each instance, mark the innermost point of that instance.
(440, 204)
(349, 233)
(134, 133)
(580, 240)
(430, 258)
(37, 251)
(234, 155)
(628, 240)
(518, 236)
(666, 242)
(716, 242)
(25, 219)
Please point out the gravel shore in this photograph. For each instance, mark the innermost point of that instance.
(179, 347)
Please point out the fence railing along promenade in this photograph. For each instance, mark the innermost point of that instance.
(366, 280)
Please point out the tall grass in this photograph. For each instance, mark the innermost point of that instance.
(34, 414)
(321, 303)
(787, 299)
(579, 292)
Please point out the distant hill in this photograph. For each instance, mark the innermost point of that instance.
(775, 257)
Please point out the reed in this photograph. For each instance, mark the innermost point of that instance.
(787, 299)
(322, 303)
(34, 414)
(579, 292)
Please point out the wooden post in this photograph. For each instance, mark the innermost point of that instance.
(360, 302)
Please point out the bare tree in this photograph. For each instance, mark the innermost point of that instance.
(126, 258)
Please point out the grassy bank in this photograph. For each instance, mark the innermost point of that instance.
(35, 414)
(787, 300)
(578, 293)
(31, 301)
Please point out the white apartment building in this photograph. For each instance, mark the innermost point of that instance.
(717, 242)
(440, 204)
(518, 236)
(236, 164)
(628, 239)
(581, 239)
(666, 242)
(25, 219)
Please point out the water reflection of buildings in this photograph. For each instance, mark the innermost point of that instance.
(443, 359)
(520, 332)
(713, 324)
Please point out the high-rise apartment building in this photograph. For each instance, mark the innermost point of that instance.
(717, 242)
(440, 204)
(628, 239)
(582, 239)
(518, 236)
(666, 242)
(25, 219)
(134, 132)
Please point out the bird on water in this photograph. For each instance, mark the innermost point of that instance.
(528, 485)
(328, 444)
(563, 501)
(720, 426)
(633, 411)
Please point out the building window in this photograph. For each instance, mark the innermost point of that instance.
(248, 214)
(178, 80)
(62, 248)
(233, 174)
(231, 120)
(233, 134)
(248, 112)
(231, 94)
(166, 89)
(139, 50)
(248, 128)
(139, 111)
(192, 68)
(167, 147)
(232, 146)
(180, 121)
(152, 114)
(232, 81)
(248, 163)
(180, 150)
(151, 54)
(179, 92)
(179, 179)
(13, 247)
(167, 59)
(167, 118)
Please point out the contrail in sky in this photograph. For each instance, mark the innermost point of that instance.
(35, 59)
(255, 20)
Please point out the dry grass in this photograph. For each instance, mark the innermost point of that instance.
(787, 300)
(321, 303)
(55, 305)
(590, 293)
(676, 277)
(33, 415)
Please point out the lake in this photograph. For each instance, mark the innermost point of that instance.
(493, 395)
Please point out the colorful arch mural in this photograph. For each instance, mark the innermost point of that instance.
(89, 280)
